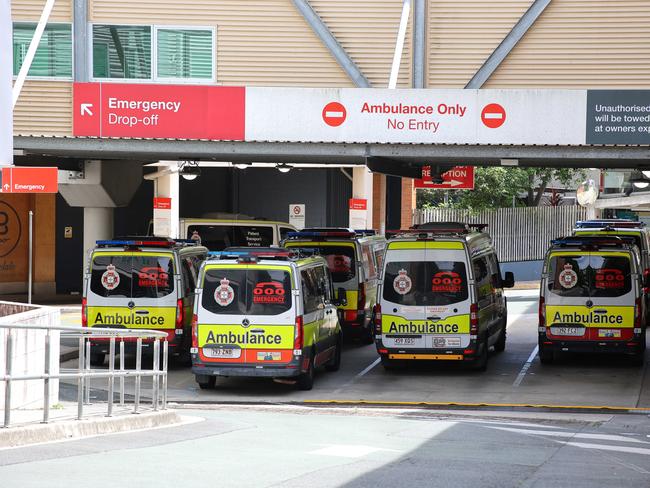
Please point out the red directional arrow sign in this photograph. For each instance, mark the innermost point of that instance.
(23, 179)
(457, 178)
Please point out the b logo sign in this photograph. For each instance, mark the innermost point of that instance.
(10, 229)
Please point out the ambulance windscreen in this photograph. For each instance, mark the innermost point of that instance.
(589, 275)
(425, 283)
(247, 292)
(136, 276)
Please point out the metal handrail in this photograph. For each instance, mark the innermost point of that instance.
(84, 373)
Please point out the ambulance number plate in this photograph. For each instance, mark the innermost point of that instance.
(568, 331)
(394, 340)
(230, 353)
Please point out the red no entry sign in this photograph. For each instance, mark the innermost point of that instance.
(334, 114)
(493, 115)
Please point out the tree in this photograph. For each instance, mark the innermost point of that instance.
(498, 187)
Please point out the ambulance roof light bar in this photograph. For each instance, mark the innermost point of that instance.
(609, 224)
(244, 254)
(319, 234)
(135, 243)
(593, 241)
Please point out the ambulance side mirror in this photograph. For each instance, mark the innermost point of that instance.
(341, 297)
(509, 280)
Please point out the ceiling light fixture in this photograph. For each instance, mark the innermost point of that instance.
(189, 170)
(646, 173)
(283, 168)
(241, 165)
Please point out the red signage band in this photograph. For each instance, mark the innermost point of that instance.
(162, 203)
(159, 111)
(457, 178)
(358, 204)
(25, 179)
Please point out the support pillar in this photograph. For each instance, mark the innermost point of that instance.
(379, 202)
(167, 184)
(362, 185)
(408, 202)
(98, 224)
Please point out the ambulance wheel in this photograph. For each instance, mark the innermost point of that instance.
(481, 362)
(367, 337)
(206, 382)
(335, 363)
(306, 380)
(97, 358)
(500, 344)
(546, 356)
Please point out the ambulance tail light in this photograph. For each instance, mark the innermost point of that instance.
(637, 313)
(361, 303)
(299, 335)
(179, 314)
(377, 319)
(646, 281)
(195, 331)
(473, 321)
(541, 313)
(84, 312)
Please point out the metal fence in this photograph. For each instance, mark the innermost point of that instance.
(11, 326)
(519, 234)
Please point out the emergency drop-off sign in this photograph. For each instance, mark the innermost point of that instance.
(355, 115)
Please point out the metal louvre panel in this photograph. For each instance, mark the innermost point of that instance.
(43, 108)
(462, 34)
(518, 234)
(258, 42)
(30, 10)
(367, 30)
(582, 44)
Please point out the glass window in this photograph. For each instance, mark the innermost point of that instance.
(219, 237)
(310, 294)
(425, 282)
(590, 276)
(250, 292)
(123, 276)
(482, 277)
(340, 260)
(368, 262)
(568, 276)
(53, 57)
(121, 51)
(184, 53)
(284, 231)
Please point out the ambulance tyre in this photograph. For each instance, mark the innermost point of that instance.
(546, 355)
(500, 344)
(97, 358)
(206, 382)
(334, 364)
(481, 361)
(305, 381)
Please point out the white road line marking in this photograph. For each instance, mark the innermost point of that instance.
(357, 376)
(605, 447)
(524, 369)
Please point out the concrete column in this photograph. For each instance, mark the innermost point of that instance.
(362, 183)
(408, 202)
(98, 224)
(168, 185)
(379, 202)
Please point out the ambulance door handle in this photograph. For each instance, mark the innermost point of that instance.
(142, 312)
(434, 318)
(600, 311)
(257, 331)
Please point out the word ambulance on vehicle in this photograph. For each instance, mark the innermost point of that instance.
(142, 283)
(354, 259)
(591, 298)
(440, 296)
(264, 312)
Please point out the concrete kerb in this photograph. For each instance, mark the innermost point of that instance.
(59, 430)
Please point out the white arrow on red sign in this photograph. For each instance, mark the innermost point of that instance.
(457, 178)
(85, 108)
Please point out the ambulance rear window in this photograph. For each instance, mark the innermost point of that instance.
(139, 276)
(340, 260)
(425, 283)
(247, 292)
(589, 275)
(219, 237)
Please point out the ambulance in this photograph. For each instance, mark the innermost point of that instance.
(142, 283)
(591, 298)
(264, 313)
(441, 297)
(354, 258)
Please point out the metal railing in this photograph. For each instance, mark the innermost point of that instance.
(84, 374)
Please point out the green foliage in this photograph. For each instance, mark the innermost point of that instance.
(498, 187)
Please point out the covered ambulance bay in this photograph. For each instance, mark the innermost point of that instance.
(392, 132)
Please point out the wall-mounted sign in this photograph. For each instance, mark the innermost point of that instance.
(457, 178)
(297, 215)
(162, 216)
(26, 179)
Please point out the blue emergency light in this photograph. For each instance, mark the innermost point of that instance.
(593, 241)
(319, 234)
(609, 223)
